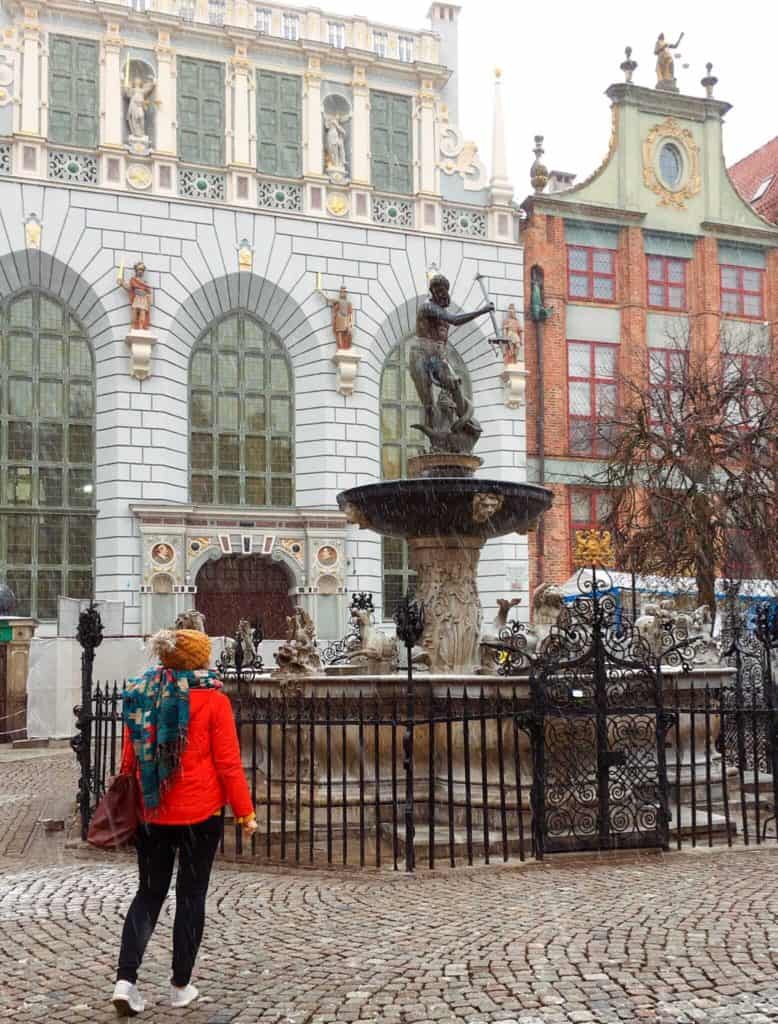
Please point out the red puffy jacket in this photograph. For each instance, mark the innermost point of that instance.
(210, 774)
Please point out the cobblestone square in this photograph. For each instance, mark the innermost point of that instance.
(667, 939)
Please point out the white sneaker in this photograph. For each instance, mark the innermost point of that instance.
(183, 996)
(127, 999)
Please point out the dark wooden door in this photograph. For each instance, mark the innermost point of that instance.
(244, 587)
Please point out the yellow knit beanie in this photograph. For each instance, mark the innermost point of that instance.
(181, 648)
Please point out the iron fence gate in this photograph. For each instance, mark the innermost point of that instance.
(598, 728)
(598, 723)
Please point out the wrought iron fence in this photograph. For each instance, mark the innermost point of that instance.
(589, 741)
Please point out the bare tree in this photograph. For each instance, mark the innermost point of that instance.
(693, 466)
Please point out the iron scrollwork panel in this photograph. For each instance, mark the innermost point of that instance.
(569, 793)
(634, 798)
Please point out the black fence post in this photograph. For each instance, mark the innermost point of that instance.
(409, 618)
(90, 636)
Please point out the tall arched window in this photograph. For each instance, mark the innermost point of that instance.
(241, 414)
(47, 398)
(400, 409)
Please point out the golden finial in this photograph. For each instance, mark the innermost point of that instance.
(593, 547)
(498, 72)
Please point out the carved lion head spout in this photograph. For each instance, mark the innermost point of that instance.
(485, 505)
(354, 514)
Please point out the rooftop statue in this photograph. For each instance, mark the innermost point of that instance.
(449, 422)
(665, 65)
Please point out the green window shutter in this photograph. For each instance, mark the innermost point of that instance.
(73, 91)
(390, 142)
(279, 124)
(200, 86)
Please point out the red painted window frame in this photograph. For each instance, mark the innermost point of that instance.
(592, 381)
(666, 352)
(592, 495)
(666, 283)
(746, 361)
(740, 291)
(590, 274)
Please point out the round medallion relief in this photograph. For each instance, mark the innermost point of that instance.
(327, 555)
(162, 554)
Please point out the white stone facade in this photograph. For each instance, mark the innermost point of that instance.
(201, 269)
(191, 254)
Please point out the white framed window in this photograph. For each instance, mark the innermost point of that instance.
(405, 49)
(291, 26)
(264, 20)
(186, 10)
(336, 34)
(139, 6)
(216, 10)
(380, 44)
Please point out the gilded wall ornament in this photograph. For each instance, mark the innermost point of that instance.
(32, 231)
(593, 547)
(337, 204)
(245, 255)
(689, 181)
(138, 176)
(198, 544)
(293, 547)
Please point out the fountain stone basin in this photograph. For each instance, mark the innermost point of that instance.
(446, 507)
(446, 521)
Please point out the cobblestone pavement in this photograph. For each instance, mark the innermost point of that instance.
(689, 937)
(670, 940)
(34, 785)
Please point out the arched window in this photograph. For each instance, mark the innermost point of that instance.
(47, 398)
(400, 409)
(241, 416)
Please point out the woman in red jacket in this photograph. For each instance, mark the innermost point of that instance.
(180, 740)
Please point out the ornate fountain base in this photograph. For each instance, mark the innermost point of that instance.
(446, 570)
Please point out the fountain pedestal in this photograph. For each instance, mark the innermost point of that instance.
(446, 571)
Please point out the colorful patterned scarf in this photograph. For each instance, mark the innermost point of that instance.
(155, 709)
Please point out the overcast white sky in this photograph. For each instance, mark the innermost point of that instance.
(559, 56)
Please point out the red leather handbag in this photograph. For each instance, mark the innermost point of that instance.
(117, 815)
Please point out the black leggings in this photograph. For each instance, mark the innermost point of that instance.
(157, 846)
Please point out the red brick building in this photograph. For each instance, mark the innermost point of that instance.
(756, 179)
(642, 262)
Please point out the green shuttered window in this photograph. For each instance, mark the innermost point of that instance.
(279, 124)
(200, 86)
(390, 142)
(73, 91)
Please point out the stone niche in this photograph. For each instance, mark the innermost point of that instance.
(337, 110)
(139, 64)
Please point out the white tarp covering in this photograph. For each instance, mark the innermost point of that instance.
(54, 677)
(665, 586)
